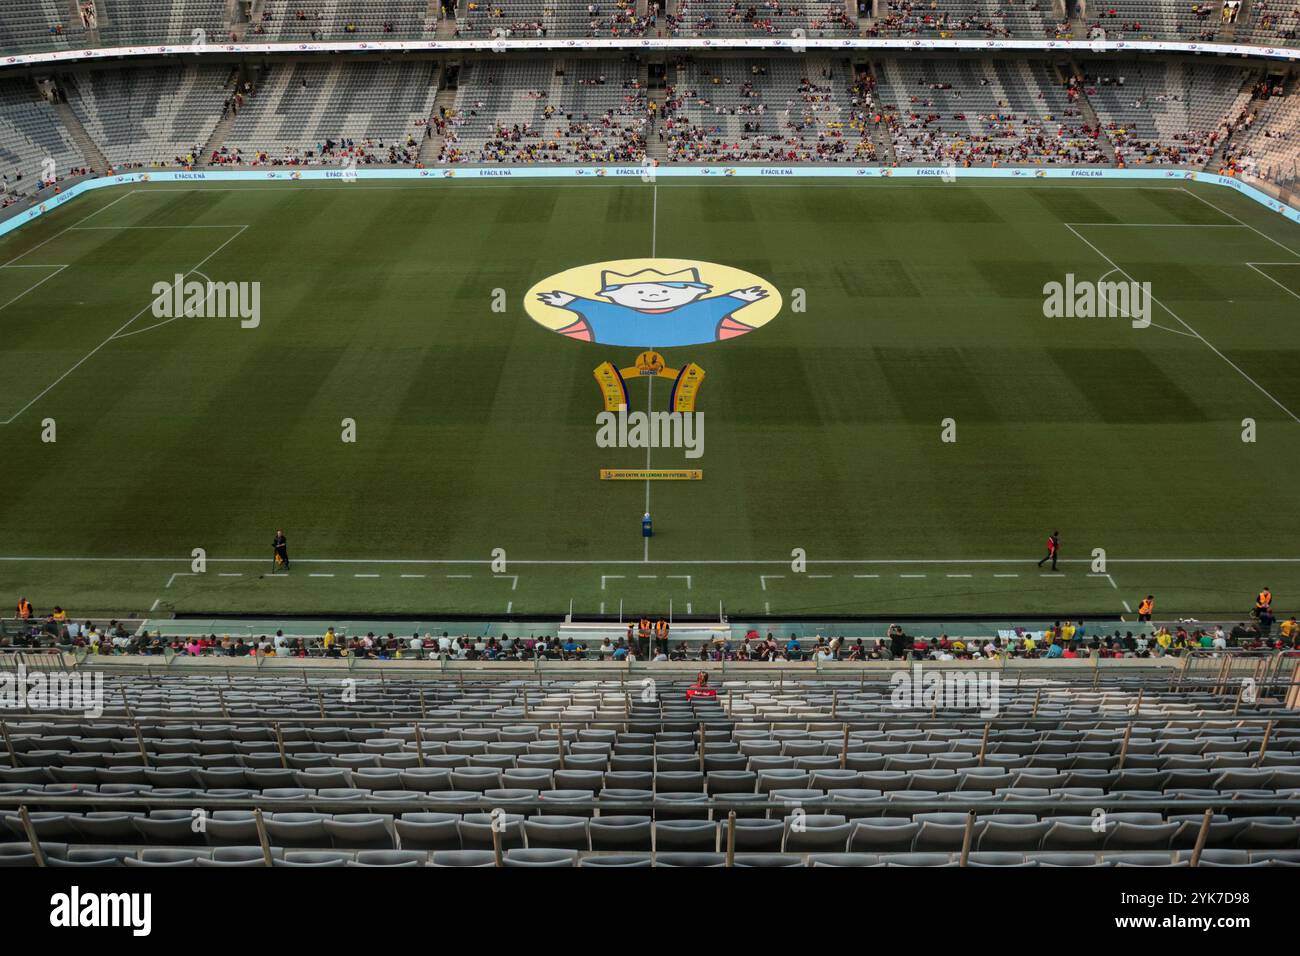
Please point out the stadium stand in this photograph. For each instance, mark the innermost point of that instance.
(1165, 113)
(581, 111)
(409, 770)
(317, 113)
(30, 132)
(38, 25)
(1278, 23)
(554, 18)
(723, 18)
(150, 115)
(1266, 139)
(991, 18)
(761, 110)
(342, 20)
(1155, 19)
(979, 112)
(129, 22)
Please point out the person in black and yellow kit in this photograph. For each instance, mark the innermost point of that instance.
(281, 548)
(1145, 608)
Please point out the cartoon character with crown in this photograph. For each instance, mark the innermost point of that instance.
(650, 307)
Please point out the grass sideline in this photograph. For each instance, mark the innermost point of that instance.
(476, 429)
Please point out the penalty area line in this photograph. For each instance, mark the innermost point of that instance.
(85, 358)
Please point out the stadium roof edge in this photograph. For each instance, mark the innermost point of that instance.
(679, 44)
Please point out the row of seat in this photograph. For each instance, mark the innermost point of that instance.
(685, 778)
(799, 832)
(250, 856)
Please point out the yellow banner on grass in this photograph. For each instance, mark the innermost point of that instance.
(651, 474)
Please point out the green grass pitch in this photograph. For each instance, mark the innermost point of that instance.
(476, 428)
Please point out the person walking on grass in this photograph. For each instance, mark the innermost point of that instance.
(1053, 547)
(281, 548)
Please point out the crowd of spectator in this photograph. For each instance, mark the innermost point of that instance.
(563, 134)
(1062, 639)
(727, 121)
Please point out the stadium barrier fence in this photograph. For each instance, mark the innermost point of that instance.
(646, 172)
(560, 45)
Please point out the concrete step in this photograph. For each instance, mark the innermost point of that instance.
(86, 146)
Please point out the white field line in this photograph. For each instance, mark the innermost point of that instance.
(1111, 302)
(679, 577)
(514, 579)
(762, 579)
(1224, 212)
(199, 226)
(654, 222)
(1256, 267)
(1179, 320)
(723, 562)
(649, 407)
(57, 270)
(93, 351)
(69, 228)
(1166, 225)
(609, 577)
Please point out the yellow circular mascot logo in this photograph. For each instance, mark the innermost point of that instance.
(653, 303)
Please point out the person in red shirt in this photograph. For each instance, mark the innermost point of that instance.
(701, 687)
(1053, 546)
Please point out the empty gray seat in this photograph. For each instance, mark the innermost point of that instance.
(618, 860)
(685, 835)
(368, 831)
(541, 857)
(690, 859)
(402, 858)
(808, 833)
(314, 858)
(296, 829)
(556, 832)
(620, 832)
(883, 834)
